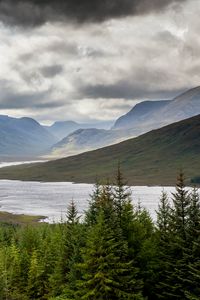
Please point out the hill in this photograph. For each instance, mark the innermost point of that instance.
(23, 137)
(83, 140)
(143, 117)
(63, 128)
(151, 159)
(149, 115)
(138, 114)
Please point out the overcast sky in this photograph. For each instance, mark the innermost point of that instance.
(93, 59)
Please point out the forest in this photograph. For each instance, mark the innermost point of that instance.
(114, 251)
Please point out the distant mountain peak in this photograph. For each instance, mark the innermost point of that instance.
(139, 113)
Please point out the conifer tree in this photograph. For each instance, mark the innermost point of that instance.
(173, 284)
(35, 287)
(4, 283)
(194, 216)
(93, 210)
(164, 231)
(181, 203)
(73, 242)
(122, 195)
(193, 276)
(164, 216)
(105, 274)
(72, 214)
(145, 249)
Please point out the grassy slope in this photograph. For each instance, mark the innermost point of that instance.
(8, 218)
(153, 158)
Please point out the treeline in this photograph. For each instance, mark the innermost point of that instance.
(115, 252)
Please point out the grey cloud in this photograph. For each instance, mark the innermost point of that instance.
(62, 47)
(14, 99)
(26, 57)
(34, 12)
(166, 37)
(51, 71)
(127, 90)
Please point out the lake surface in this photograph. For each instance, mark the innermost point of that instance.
(51, 199)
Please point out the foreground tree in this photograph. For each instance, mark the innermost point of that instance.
(176, 253)
(106, 273)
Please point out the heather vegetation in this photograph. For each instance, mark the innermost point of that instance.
(115, 251)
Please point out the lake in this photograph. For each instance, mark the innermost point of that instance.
(51, 199)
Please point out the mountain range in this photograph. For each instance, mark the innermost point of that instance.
(23, 137)
(139, 114)
(153, 158)
(142, 118)
(83, 140)
(149, 115)
(63, 129)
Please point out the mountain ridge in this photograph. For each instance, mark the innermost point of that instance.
(153, 158)
(23, 137)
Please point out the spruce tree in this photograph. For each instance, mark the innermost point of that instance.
(194, 216)
(164, 216)
(181, 204)
(174, 278)
(93, 210)
(122, 196)
(67, 272)
(106, 275)
(193, 278)
(164, 231)
(36, 284)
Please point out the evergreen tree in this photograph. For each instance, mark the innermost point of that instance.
(72, 214)
(181, 204)
(193, 278)
(35, 287)
(144, 245)
(164, 231)
(105, 274)
(173, 283)
(164, 216)
(93, 210)
(4, 283)
(194, 216)
(67, 271)
(122, 196)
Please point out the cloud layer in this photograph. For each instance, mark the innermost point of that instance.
(97, 71)
(34, 12)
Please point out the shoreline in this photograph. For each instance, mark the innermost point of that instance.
(20, 219)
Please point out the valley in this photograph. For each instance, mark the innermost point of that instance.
(154, 158)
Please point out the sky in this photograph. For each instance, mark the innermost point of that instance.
(93, 60)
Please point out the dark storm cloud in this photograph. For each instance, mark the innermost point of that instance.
(37, 12)
(51, 71)
(126, 90)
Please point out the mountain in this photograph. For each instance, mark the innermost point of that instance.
(150, 159)
(138, 114)
(142, 118)
(155, 114)
(83, 140)
(23, 137)
(182, 107)
(63, 129)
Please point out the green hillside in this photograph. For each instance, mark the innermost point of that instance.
(151, 159)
